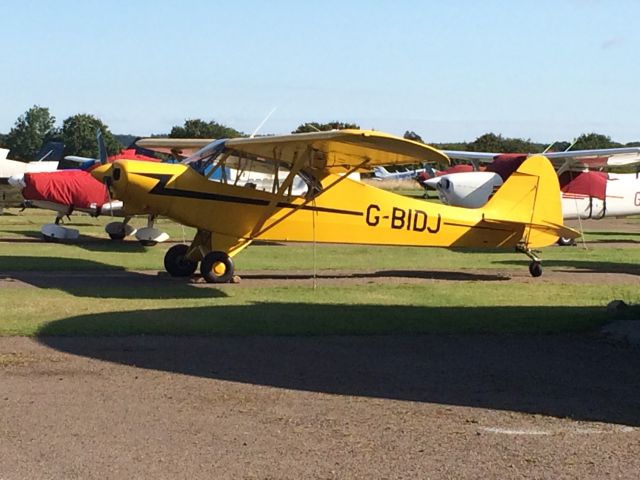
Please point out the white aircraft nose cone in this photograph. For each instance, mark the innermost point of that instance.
(17, 181)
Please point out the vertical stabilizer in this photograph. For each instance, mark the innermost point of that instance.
(531, 197)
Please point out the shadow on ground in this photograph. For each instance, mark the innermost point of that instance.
(88, 278)
(581, 266)
(380, 274)
(574, 375)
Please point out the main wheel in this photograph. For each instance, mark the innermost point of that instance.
(535, 269)
(217, 267)
(177, 263)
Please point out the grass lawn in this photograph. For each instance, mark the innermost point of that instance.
(116, 303)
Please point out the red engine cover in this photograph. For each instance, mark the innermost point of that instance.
(75, 188)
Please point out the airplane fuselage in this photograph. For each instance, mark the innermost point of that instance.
(345, 211)
(622, 199)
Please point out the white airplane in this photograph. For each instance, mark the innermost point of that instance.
(381, 173)
(586, 193)
(9, 195)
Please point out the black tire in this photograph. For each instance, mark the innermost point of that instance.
(215, 259)
(177, 263)
(152, 243)
(535, 269)
(117, 236)
(565, 242)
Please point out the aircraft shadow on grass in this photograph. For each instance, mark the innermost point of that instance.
(85, 242)
(88, 278)
(415, 274)
(581, 267)
(579, 376)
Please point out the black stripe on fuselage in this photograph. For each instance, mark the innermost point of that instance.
(160, 189)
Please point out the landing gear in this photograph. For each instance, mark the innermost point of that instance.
(535, 267)
(217, 267)
(150, 236)
(119, 230)
(177, 263)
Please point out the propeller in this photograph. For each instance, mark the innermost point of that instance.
(104, 169)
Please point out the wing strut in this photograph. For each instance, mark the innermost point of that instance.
(255, 234)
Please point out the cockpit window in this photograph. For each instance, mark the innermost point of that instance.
(220, 164)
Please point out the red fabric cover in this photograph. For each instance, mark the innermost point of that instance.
(457, 169)
(506, 163)
(126, 154)
(130, 154)
(75, 188)
(593, 184)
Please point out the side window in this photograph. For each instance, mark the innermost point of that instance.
(255, 173)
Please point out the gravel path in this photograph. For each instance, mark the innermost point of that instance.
(479, 406)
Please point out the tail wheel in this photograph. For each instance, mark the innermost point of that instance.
(535, 269)
(217, 267)
(177, 263)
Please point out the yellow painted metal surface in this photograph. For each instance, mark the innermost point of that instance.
(525, 209)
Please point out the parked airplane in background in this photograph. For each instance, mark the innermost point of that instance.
(9, 196)
(229, 214)
(381, 173)
(68, 191)
(586, 193)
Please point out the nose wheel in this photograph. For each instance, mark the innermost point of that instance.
(535, 268)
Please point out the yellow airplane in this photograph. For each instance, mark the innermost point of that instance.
(296, 188)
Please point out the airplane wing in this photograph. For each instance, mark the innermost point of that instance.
(604, 157)
(563, 161)
(340, 150)
(180, 147)
(482, 157)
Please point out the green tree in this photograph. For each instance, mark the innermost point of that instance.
(490, 142)
(411, 135)
(31, 129)
(589, 141)
(79, 136)
(323, 127)
(196, 128)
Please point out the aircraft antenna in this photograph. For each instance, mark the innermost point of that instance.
(549, 147)
(572, 145)
(263, 122)
(312, 126)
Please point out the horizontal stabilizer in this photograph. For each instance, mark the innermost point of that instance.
(549, 228)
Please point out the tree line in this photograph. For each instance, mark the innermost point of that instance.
(78, 134)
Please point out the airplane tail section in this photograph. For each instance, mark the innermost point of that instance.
(530, 197)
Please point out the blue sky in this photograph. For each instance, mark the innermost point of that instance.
(450, 71)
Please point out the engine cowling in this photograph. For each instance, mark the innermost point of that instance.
(467, 189)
